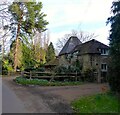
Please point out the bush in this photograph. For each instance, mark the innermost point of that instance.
(67, 69)
(6, 67)
(113, 78)
(41, 69)
(31, 68)
(61, 69)
(89, 75)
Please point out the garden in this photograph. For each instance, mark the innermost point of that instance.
(59, 76)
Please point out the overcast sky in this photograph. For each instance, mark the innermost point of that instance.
(86, 15)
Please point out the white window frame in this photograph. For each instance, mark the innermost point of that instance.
(105, 67)
(104, 51)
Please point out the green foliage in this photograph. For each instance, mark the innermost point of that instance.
(41, 69)
(43, 82)
(50, 53)
(100, 103)
(31, 68)
(78, 66)
(67, 69)
(25, 81)
(89, 74)
(29, 15)
(6, 66)
(26, 19)
(114, 37)
(27, 57)
(60, 69)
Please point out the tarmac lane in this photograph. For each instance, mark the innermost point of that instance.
(30, 99)
(10, 102)
(43, 99)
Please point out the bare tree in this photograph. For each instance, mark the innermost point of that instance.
(40, 44)
(82, 36)
(4, 30)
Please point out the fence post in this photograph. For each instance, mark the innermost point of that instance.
(22, 73)
(30, 74)
(76, 76)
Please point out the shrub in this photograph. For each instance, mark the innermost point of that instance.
(30, 68)
(67, 69)
(6, 67)
(41, 69)
(113, 78)
(89, 74)
(61, 69)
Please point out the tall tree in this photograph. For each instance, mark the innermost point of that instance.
(50, 53)
(26, 19)
(114, 38)
(27, 56)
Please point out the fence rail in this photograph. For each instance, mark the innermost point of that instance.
(48, 75)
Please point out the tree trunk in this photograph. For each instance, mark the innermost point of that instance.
(17, 43)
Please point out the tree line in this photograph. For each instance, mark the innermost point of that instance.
(29, 44)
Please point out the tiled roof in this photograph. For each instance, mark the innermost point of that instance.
(91, 46)
(70, 45)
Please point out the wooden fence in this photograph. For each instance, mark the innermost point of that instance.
(48, 75)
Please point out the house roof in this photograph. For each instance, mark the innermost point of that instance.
(72, 42)
(91, 46)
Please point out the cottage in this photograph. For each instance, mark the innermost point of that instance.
(92, 54)
(72, 42)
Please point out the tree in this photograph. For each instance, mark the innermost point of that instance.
(83, 36)
(4, 31)
(27, 56)
(26, 19)
(50, 53)
(40, 44)
(114, 38)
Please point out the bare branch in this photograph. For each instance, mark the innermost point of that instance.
(6, 34)
(82, 36)
(3, 9)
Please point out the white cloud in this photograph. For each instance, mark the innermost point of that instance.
(76, 12)
(68, 12)
(102, 34)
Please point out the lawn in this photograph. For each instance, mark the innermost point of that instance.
(100, 103)
(43, 82)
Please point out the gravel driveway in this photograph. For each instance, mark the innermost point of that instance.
(39, 99)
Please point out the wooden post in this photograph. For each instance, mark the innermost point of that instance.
(22, 73)
(30, 74)
(76, 76)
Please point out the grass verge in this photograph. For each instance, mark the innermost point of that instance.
(100, 103)
(43, 82)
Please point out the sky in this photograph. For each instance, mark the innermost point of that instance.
(86, 15)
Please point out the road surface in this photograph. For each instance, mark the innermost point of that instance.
(38, 99)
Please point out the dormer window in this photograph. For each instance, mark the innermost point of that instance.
(104, 51)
